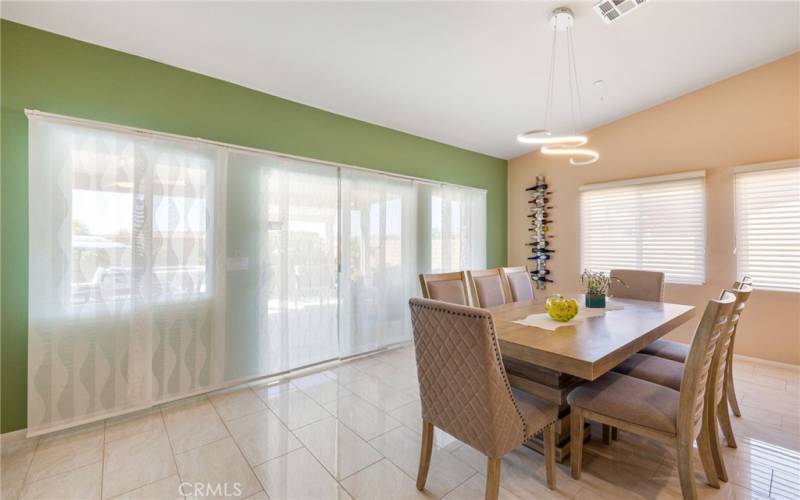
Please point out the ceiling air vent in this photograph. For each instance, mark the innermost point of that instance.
(611, 10)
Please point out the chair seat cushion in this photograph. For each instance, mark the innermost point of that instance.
(630, 399)
(668, 349)
(660, 371)
(537, 413)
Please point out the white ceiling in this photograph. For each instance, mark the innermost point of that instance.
(462, 73)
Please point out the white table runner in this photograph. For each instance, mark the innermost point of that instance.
(544, 321)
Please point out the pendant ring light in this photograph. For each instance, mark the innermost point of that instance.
(561, 21)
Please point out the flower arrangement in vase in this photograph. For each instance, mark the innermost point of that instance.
(597, 283)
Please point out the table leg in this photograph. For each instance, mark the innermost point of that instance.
(551, 386)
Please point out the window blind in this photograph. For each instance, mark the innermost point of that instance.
(654, 224)
(768, 227)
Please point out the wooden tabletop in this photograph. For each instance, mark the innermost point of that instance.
(593, 346)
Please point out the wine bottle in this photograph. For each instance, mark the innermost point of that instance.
(541, 278)
(540, 257)
(539, 244)
(540, 272)
(543, 250)
(537, 187)
(533, 201)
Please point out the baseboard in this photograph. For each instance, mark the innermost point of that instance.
(767, 362)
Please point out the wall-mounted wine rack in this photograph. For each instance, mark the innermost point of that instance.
(540, 229)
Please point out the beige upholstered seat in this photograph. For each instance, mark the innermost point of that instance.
(656, 411)
(487, 287)
(447, 287)
(638, 285)
(631, 399)
(667, 349)
(653, 369)
(465, 392)
(518, 283)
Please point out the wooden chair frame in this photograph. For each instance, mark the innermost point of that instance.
(493, 465)
(690, 425)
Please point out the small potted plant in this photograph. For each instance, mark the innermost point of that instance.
(596, 283)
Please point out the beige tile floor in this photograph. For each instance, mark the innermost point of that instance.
(352, 432)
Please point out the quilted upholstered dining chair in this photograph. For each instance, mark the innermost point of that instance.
(447, 287)
(487, 287)
(669, 373)
(465, 392)
(656, 411)
(637, 285)
(518, 283)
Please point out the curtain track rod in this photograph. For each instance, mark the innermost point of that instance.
(183, 138)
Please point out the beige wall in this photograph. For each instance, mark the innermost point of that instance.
(750, 118)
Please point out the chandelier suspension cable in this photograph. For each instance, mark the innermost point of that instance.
(550, 85)
(569, 80)
(571, 42)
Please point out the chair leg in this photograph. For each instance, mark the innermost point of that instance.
(425, 454)
(492, 478)
(614, 434)
(550, 454)
(710, 469)
(725, 423)
(576, 441)
(730, 392)
(686, 471)
(713, 441)
(606, 434)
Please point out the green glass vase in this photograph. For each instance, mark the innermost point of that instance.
(595, 300)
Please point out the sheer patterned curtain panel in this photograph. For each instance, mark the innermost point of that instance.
(161, 267)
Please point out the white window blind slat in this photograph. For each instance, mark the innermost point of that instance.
(768, 227)
(655, 225)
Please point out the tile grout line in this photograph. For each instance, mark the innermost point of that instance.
(103, 459)
(73, 469)
(236, 443)
(172, 449)
(28, 468)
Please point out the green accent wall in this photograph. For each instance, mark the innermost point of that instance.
(48, 72)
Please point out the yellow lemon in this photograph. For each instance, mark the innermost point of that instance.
(561, 308)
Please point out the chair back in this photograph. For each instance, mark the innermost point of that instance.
(487, 287)
(518, 283)
(724, 350)
(638, 285)
(447, 287)
(698, 365)
(462, 382)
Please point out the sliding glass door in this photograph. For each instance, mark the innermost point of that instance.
(162, 267)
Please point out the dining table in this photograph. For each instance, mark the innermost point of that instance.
(550, 363)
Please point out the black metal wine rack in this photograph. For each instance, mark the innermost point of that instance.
(539, 214)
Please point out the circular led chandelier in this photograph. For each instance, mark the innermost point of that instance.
(565, 144)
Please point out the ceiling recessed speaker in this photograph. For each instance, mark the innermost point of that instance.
(611, 10)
